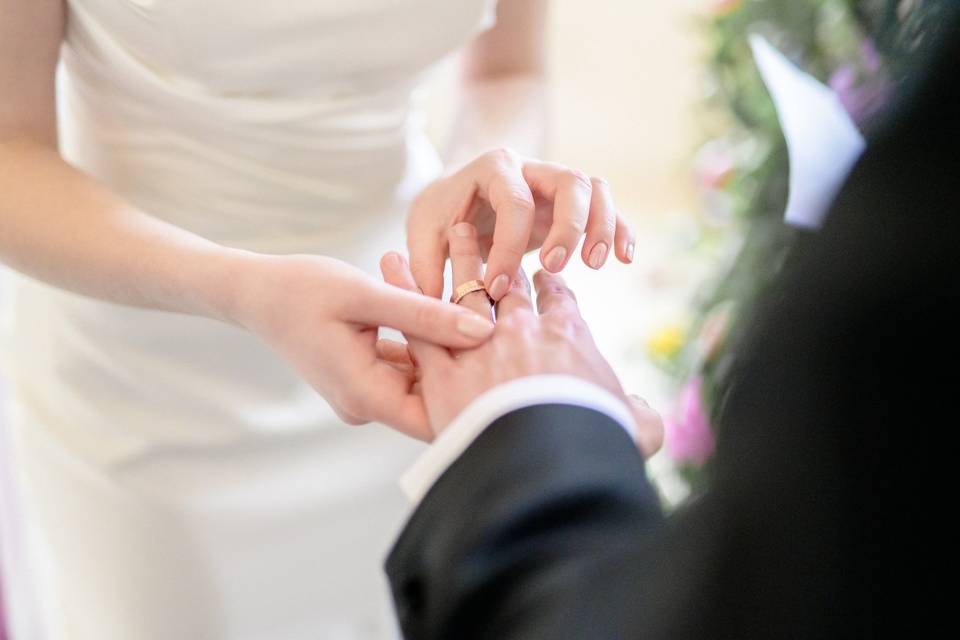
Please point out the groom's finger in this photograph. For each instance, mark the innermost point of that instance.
(553, 295)
(467, 265)
(517, 298)
(649, 426)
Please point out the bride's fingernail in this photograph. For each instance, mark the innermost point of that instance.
(474, 326)
(629, 252)
(554, 259)
(499, 287)
(598, 254)
(392, 260)
(640, 400)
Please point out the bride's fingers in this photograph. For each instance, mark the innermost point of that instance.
(467, 265)
(518, 298)
(601, 225)
(394, 352)
(398, 356)
(386, 395)
(625, 240)
(571, 193)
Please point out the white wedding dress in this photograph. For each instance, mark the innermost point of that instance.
(179, 481)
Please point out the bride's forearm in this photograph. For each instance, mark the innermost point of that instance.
(503, 86)
(498, 111)
(60, 226)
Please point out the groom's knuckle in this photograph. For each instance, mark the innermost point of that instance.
(559, 325)
(505, 324)
(524, 321)
(559, 329)
(559, 294)
(509, 325)
(554, 289)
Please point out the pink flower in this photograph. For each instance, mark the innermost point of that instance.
(724, 7)
(689, 438)
(863, 91)
(714, 166)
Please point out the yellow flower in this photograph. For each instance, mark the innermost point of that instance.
(667, 341)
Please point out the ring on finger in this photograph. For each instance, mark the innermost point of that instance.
(468, 287)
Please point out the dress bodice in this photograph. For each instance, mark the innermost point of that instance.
(255, 122)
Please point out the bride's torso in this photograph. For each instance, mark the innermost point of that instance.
(281, 126)
(275, 125)
(265, 124)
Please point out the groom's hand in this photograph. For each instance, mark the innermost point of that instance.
(549, 339)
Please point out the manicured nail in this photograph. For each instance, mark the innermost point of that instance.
(629, 252)
(554, 260)
(393, 260)
(474, 326)
(642, 401)
(464, 230)
(499, 287)
(598, 254)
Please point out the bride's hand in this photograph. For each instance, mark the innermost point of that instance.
(551, 339)
(517, 204)
(322, 315)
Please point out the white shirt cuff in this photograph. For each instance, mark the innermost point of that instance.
(498, 402)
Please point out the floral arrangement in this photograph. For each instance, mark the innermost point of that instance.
(860, 48)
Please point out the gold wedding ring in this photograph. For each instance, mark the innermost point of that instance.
(468, 287)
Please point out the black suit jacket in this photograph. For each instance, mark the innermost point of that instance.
(827, 510)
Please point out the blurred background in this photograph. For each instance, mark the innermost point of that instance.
(663, 100)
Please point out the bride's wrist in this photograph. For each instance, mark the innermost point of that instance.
(259, 289)
(237, 287)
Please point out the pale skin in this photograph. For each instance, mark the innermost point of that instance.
(548, 337)
(60, 226)
(517, 203)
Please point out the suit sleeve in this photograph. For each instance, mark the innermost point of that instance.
(524, 529)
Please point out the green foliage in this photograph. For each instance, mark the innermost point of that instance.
(865, 48)
(819, 37)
